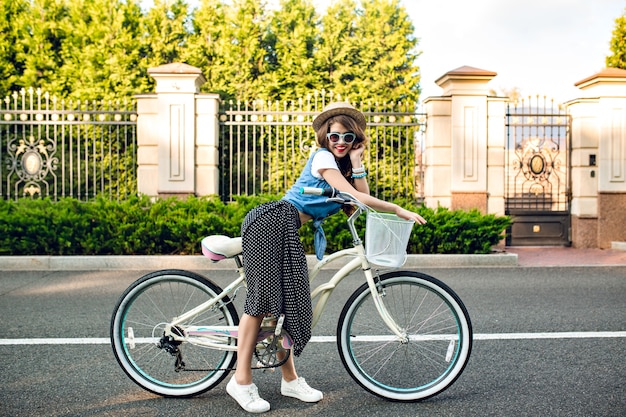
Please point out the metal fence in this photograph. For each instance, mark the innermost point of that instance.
(264, 146)
(83, 149)
(51, 148)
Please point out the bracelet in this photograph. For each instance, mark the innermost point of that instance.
(359, 170)
(361, 175)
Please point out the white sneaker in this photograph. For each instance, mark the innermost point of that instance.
(247, 396)
(298, 388)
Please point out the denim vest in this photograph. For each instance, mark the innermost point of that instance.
(314, 205)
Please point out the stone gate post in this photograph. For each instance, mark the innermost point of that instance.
(464, 153)
(598, 160)
(177, 135)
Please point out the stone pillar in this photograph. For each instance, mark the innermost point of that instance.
(437, 157)
(496, 154)
(207, 144)
(166, 132)
(465, 140)
(598, 174)
(147, 144)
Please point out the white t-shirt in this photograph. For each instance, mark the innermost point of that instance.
(323, 160)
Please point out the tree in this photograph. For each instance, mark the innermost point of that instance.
(336, 38)
(42, 44)
(75, 48)
(228, 44)
(166, 28)
(11, 45)
(206, 43)
(383, 54)
(97, 49)
(102, 51)
(618, 44)
(291, 41)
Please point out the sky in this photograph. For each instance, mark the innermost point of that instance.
(540, 47)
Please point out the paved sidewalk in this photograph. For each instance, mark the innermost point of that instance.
(563, 256)
(198, 262)
(509, 257)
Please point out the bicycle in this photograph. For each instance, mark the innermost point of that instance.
(402, 335)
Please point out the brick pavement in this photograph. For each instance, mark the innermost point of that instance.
(564, 256)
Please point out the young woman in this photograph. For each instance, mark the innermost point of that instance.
(273, 256)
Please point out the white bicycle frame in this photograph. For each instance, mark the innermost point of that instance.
(220, 337)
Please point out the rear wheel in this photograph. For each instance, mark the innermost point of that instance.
(156, 362)
(433, 352)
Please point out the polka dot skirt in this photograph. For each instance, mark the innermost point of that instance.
(276, 269)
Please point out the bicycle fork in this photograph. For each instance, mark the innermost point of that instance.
(378, 293)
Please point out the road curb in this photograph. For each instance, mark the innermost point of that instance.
(198, 262)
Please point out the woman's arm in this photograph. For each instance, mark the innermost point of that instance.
(356, 155)
(336, 180)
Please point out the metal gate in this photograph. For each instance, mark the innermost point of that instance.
(537, 174)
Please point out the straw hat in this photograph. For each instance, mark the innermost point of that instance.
(337, 108)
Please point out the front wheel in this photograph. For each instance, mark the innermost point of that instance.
(158, 363)
(434, 349)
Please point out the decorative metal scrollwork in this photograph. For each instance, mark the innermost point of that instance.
(537, 159)
(537, 164)
(33, 162)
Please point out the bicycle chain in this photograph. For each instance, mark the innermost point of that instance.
(234, 368)
(229, 369)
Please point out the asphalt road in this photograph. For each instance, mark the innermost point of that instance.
(521, 364)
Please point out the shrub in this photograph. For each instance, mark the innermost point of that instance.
(141, 226)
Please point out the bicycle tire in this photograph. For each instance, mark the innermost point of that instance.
(439, 334)
(138, 321)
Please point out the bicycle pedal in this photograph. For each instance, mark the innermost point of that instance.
(279, 325)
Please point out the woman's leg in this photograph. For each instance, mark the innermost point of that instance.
(288, 369)
(240, 386)
(248, 331)
(292, 386)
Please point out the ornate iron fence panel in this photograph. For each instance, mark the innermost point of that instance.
(265, 145)
(52, 148)
(538, 173)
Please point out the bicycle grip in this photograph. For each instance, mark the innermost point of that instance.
(326, 192)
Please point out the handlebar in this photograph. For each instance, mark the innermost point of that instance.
(326, 192)
(335, 195)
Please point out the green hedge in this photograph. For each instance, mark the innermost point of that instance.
(141, 226)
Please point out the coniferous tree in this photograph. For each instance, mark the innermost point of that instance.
(166, 27)
(245, 57)
(362, 50)
(383, 54)
(228, 44)
(12, 15)
(292, 40)
(618, 44)
(102, 50)
(43, 44)
(207, 45)
(335, 45)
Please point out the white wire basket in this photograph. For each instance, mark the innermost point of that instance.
(386, 239)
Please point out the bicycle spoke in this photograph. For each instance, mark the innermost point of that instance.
(150, 357)
(411, 368)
